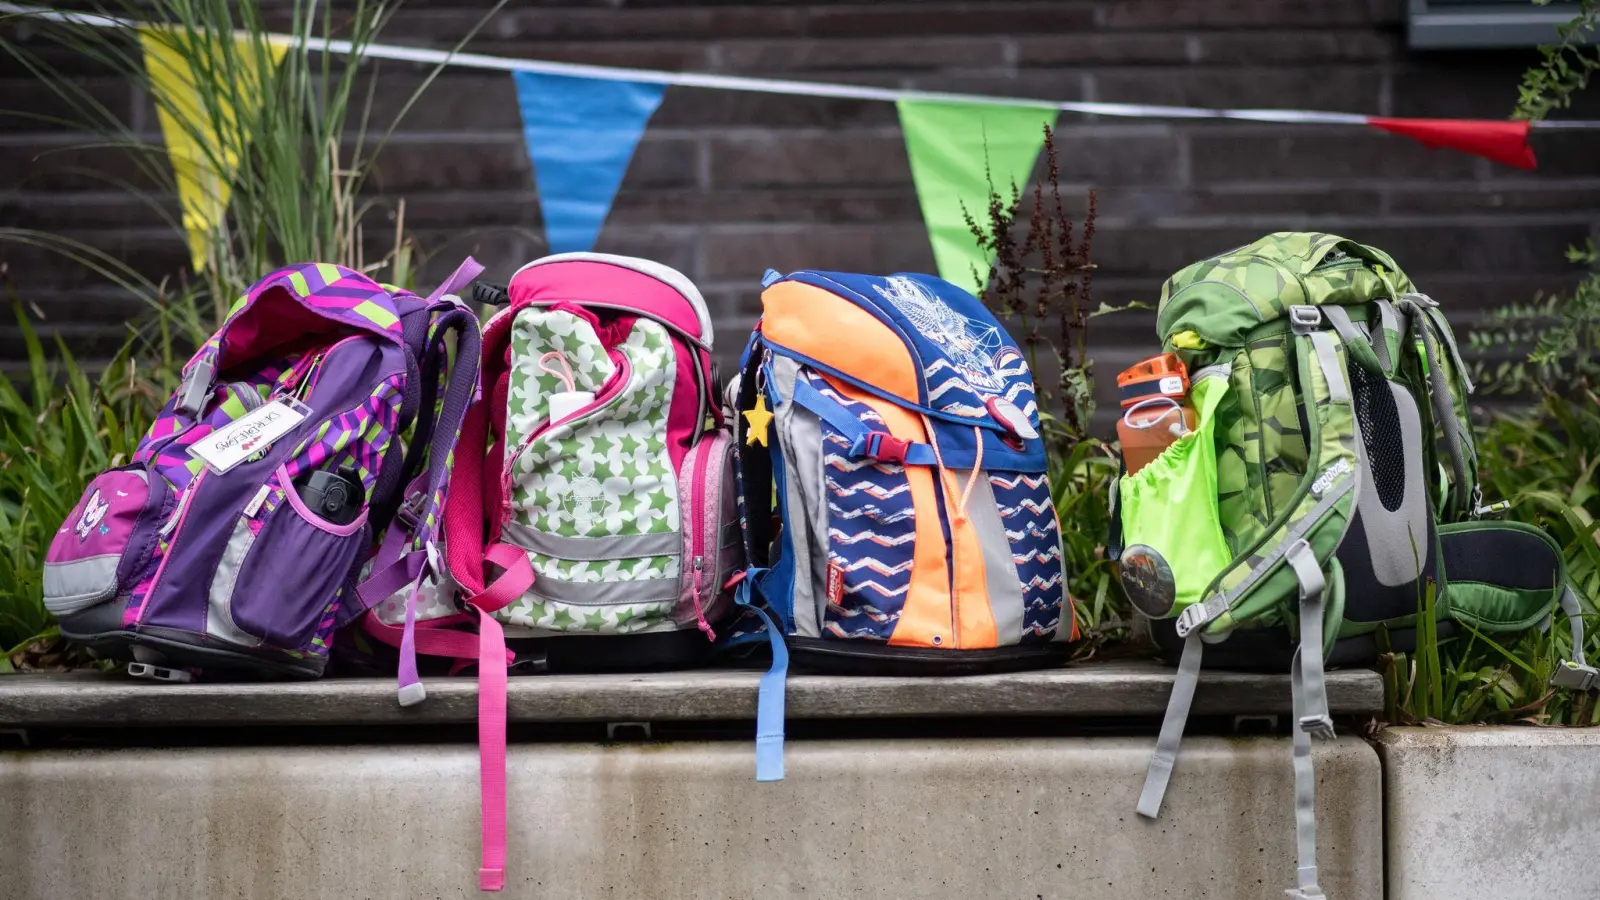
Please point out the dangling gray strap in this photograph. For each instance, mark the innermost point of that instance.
(1441, 330)
(1183, 685)
(1312, 584)
(1443, 408)
(1569, 605)
(1305, 797)
(1311, 717)
(1575, 673)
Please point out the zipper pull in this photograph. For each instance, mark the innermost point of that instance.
(177, 511)
(256, 502)
(1491, 509)
(699, 611)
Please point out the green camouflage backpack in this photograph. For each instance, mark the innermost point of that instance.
(1331, 476)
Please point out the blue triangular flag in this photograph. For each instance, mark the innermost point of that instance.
(580, 133)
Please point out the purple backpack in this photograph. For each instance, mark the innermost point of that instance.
(320, 416)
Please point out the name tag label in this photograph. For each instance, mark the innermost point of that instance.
(251, 433)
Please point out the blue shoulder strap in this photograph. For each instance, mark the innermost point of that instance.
(879, 445)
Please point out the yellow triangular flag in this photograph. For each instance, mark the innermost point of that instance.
(204, 171)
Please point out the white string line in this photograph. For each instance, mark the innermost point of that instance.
(759, 85)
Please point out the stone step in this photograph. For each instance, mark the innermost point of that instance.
(1120, 689)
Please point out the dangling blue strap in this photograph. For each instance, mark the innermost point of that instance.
(769, 697)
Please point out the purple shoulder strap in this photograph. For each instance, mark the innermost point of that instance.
(404, 550)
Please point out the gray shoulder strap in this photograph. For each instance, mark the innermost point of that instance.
(1575, 673)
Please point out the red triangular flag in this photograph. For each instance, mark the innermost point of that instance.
(1504, 141)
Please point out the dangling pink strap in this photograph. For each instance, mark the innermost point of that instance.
(450, 643)
(492, 750)
(511, 584)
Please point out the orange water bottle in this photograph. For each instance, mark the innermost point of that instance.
(1152, 393)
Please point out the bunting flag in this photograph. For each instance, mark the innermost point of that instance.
(1503, 142)
(203, 137)
(956, 149)
(581, 133)
(582, 123)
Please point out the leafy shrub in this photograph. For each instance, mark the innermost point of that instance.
(1041, 281)
(57, 431)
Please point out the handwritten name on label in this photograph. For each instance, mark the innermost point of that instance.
(247, 435)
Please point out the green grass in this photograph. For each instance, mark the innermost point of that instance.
(58, 429)
(300, 132)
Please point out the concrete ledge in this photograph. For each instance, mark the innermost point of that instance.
(1491, 813)
(1112, 689)
(933, 819)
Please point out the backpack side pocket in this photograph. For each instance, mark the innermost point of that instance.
(102, 547)
(1174, 544)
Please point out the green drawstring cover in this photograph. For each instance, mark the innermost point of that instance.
(1170, 505)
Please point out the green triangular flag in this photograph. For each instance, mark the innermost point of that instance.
(947, 144)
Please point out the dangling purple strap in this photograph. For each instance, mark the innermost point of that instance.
(463, 275)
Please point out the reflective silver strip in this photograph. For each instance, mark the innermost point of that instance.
(607, 593)
(1001, 583)
(219, 599)
(592, 549)
(71, 587)
(1166, 752)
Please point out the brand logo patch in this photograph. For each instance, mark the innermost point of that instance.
(585, 502)
(93, 512)
(970, 344)
(835, 583)
(1330, 475)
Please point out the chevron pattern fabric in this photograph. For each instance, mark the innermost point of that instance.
(1029, 517)
(871, 531)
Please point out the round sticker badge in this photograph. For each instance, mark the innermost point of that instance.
(1147, 578)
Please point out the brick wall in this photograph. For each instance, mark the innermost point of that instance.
(727, 184)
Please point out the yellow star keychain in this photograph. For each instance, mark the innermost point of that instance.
(757, 421)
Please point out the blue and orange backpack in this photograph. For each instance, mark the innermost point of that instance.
(893, 488)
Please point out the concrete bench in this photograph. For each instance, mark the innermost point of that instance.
(887, 812)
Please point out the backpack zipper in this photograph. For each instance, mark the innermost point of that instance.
(174, 527)
(701, 464)
(697, 550)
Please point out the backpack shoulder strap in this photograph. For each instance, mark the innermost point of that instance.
(1293, 556)
(1448, 388)
(1323, 503)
